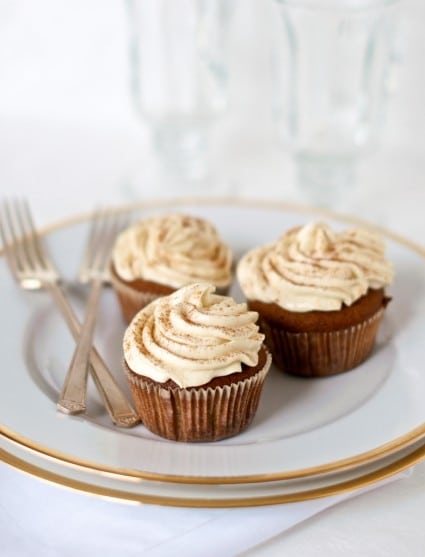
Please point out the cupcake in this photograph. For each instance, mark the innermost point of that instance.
(320, 296)
(160, 254)
(195, 363)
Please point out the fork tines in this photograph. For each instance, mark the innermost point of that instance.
(106, 224)
(25, 253)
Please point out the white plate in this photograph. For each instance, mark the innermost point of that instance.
(131, 489)
(302, 428)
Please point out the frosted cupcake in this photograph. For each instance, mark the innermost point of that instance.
(160, 254)
(320, 296)
(195, 363)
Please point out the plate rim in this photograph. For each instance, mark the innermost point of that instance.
(360, 459)
(338, 487)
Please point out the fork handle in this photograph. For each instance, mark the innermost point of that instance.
(120, 410)
(74, 392)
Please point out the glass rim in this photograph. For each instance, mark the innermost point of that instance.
(339, 5)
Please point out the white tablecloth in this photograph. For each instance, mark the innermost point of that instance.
(69, 138)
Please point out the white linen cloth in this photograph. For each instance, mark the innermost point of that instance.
(70, 524)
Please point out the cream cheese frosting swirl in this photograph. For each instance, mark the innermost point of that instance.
(174, 250)
(314, 268)
(192, 336)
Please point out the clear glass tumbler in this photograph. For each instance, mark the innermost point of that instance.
(333, 67)
(179, 75)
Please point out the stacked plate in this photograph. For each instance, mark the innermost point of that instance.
(310, 438)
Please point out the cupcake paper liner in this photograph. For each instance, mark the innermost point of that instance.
(197, 413)
(319, 354)
(130, 299)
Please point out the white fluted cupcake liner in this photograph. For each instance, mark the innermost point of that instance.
(197, 413)
(132, 300)
(319, 354)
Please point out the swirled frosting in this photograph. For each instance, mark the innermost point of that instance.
(314, 268)
(192, 336)
(174, 250)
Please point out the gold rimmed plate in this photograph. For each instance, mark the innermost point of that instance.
(303, 428)
(137, 490)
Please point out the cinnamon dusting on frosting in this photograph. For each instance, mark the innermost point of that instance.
(192, 336)
(314, 268)
(174, 250)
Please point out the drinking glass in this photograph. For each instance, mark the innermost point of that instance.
(333, 69)
(179, 75)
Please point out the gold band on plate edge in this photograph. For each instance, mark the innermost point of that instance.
(340, 465)
(126, 496)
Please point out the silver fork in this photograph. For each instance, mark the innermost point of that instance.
(33, 269)
(106, 224)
